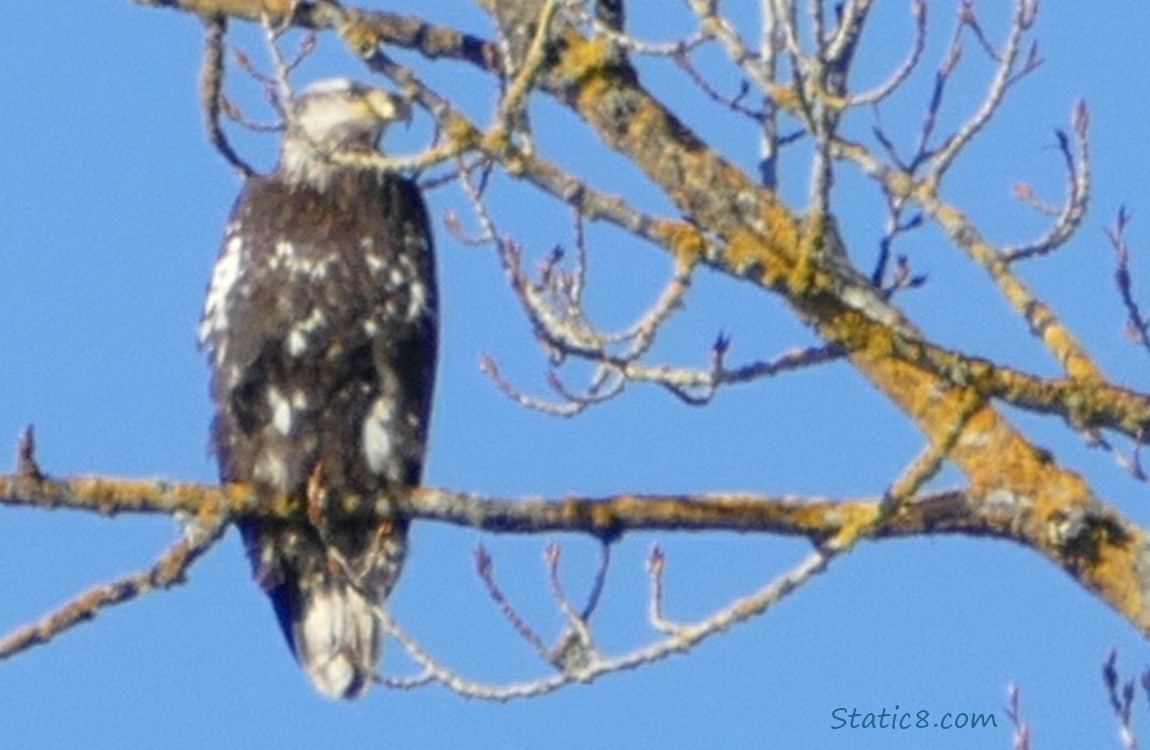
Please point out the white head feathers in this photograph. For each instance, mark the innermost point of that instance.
(333, 115)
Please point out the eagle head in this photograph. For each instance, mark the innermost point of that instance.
(334, 115)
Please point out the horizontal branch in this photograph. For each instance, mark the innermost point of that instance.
(370, 28)
(606, 517)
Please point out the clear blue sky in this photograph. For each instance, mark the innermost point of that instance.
(111, 207)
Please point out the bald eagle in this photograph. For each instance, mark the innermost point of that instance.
(320, 328)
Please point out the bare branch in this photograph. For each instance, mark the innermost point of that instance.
(575, 648)
(211, 93)
(1043, 321)
(367, 29)
(733, 103)
(770, 140)
(1069, 218)
(604, 517)
(1121, 700)
(26, 466)
(720, 28)
(578, 14)
(485, 567)
(709, 380)
(168, 571)
(656, 566)
(590, 665)
(1014, 713)
(1137, 324)
(1131, 464)
(927, 465)
(1023, 18)
(900, 76)
(602, 387)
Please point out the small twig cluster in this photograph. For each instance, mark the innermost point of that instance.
(276, 86)
(1122, 696)
(1021, 734)
(575, 656)
(1137, 331)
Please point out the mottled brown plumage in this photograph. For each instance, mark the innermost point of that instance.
(320, 323)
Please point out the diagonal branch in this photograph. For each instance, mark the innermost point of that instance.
(169, 570)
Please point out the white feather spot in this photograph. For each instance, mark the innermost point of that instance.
(233, 373)
(287, 256)
(416, 300)
(281, 408)
(219, 356)
(297, 342)
(396, 277)
(225, 275)
(270, 469)
(378, 448)
(405, 273)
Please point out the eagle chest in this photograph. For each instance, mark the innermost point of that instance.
(323, 332)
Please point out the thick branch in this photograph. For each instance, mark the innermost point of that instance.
(369, 28)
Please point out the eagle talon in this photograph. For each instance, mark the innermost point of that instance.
(316, 497)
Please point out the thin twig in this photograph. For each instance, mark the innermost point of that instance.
(485, 567)
(1121, 700)
(592, 665)
(211, 93)
(902, 73)
(1137, 324)
(1006, 75)
(1069, 218)
(1021, 734)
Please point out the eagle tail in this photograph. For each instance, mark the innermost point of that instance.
(327, 602)
(336, 636)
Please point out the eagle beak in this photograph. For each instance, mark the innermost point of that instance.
(388, 107)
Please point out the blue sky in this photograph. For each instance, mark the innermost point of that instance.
(111, 207)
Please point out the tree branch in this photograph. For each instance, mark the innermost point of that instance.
(608, 518)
